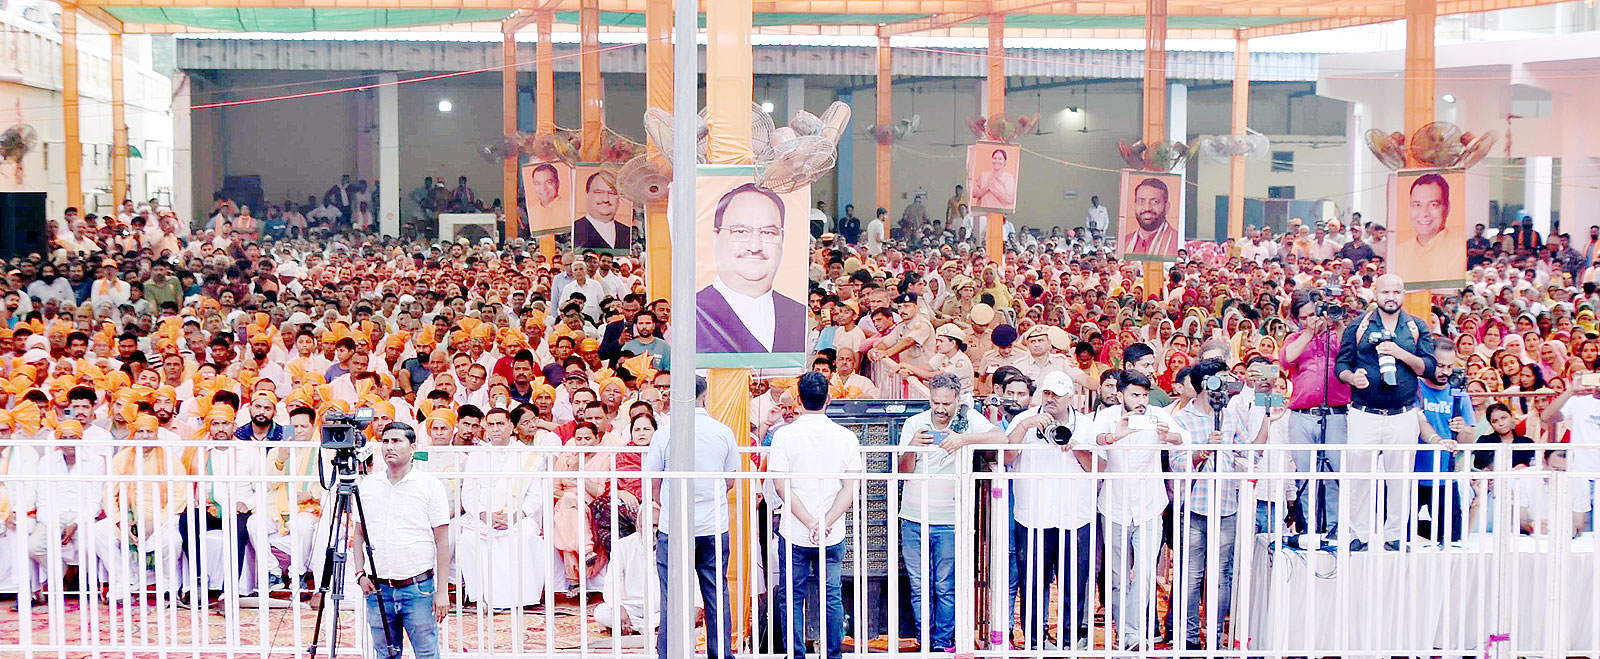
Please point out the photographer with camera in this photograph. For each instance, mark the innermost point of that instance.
(1381, 356)
(1319, 405)
(1055, 512)
(1212, 505)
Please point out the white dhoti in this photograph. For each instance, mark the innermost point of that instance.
(16, 569)
(302, 548)
(506, 568)
(128, 567)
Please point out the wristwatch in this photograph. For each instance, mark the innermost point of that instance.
(360, 574)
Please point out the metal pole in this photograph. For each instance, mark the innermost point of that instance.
(686, 76)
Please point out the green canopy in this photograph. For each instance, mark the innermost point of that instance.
(300, 20)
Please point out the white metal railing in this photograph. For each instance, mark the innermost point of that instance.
(1514, 576)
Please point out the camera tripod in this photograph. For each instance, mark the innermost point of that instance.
(330, 588)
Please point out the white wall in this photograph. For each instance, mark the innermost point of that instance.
(1320, 169)
(36, 101)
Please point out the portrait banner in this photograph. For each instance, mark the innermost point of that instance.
(604, 222)
(1428, 232)
(992, 169)
(547, 194)
(1150, 216)
(750, 272)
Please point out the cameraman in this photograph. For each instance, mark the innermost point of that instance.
(1055, 512)
(1317, 410)
(1212, 505)
(1381, 355)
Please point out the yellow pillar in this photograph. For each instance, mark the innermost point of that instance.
(1155, 104)
(994, 239)
(508, 124)
(1421, 16)
(1241, 124)
(885, 103)
(544, 84)
(69, 106)
(591, 86)
(119, 126)
(658, 94)
(730, 87)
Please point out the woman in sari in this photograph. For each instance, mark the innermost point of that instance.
(574, 536)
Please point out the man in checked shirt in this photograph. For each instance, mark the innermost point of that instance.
(1212, 505)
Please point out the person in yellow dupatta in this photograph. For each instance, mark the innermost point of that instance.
(140, 529)
(296, 525)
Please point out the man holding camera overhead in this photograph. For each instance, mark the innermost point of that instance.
(1318, 406)
(1381, 355)
(1055, 512)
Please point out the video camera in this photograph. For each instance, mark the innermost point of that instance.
(341, 431)
(1221, 388)
(1330, 303)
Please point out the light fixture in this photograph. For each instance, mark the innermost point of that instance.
(1073, 109)
(11, 77)
(1449, 98)
(445, 105)
(766, 106)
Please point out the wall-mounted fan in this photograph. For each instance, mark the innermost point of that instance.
(1250, 146)
(642, 182)
(1163, 156)
(15, 143)
(1388, 148)
(1438, 144)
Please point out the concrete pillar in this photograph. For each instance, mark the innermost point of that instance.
(364, 113)
(1356, 154)
(1177, 112)
(389, 154)
(73, 151)
(1540, 180)
(844, 167)
(183, 198)
(794, 99)
(119, 128)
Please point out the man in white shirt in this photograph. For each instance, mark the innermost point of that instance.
(875, 233)
(714, 450)
(65, 505)
(811, 528)
(1055, 512)
(593, 291)
(1097, 218)
(408, 513)
(1137, 433)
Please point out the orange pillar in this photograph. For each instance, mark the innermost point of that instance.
(544, 84)
(592, 88)
(69, 106)
(1241, 123)
(885, 103)
(1421, 17)
(119, 127)
(994, 238)
(730, 87)
(658, 94)
(508, 124)
(1155, 105)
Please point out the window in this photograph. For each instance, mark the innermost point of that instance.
(1280, 192)
(1282, 161)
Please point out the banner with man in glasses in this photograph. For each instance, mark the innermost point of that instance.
(750, 308)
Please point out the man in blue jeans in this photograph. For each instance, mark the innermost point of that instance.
(714, 450)
(811, 531)
(928, 507)
(408, 513)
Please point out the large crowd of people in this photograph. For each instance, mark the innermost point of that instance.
(144, 327)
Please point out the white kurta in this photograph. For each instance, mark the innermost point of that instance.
(503, 568)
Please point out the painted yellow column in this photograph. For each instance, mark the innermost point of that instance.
(119, 126)
(69, 106)
(730, 88)
(1421, 17)
(544, 84)
(658, 94)
(508, 125)
(1155, 105)
(592, 88)
(994, 239)
(1241, 123)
